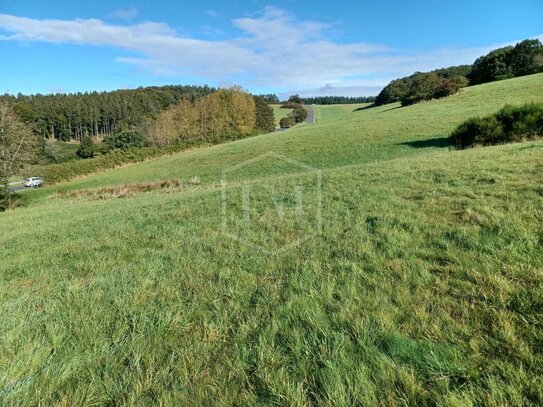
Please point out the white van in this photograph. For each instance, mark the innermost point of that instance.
(33, 182)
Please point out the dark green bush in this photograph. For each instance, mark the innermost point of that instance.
(87, 148)
(510, 124)
(124, 140)
(287, 122)
(299, 114)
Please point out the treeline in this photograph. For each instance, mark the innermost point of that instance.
(425, 85)
(337, 100)
(270, 98)
(75, 115)
(225, 115)
(524, 58)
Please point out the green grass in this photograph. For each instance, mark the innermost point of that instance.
(424, 287)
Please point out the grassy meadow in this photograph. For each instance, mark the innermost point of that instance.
(424, 286)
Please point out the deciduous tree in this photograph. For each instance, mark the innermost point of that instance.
(18, 145)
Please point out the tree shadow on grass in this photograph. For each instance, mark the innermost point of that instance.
(392, 108)
(365, 107)
(374, 105)
(440, 142)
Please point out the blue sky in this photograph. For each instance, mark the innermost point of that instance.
(309, 47)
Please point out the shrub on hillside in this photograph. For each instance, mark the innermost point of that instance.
(299, 114)
(287, 121)
(510, 124)
(87, 148)
(124, 140)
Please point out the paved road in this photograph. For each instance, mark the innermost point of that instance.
(310, 116)
(17, 186)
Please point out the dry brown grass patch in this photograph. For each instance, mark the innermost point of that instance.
(122, 191)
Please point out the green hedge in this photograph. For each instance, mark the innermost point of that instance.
(510, 124)
(55, 173)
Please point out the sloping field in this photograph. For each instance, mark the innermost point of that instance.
(423, 287)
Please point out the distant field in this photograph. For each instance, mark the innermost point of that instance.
(423, 288)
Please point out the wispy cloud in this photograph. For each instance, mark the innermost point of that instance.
(126, 14)
(212, 13)
(273, 48)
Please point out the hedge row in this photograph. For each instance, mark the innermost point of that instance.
(55, 173)
(298, 115)
(510, 124)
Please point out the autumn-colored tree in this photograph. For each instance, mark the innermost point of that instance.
(5, 192)
(162, 132)
(239, 107)
(226, 113)
(211, 117)
(18, 145)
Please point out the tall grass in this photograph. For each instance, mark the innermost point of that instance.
(424, 287)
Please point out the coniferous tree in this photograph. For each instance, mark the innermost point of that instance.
(265, 118)
(72, 116)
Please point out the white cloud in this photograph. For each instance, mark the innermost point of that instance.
(273, 48)
(126, 14)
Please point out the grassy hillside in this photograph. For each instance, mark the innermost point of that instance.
(424, 286)
(340, 138)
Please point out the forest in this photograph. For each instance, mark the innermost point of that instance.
(525, 58)
(75, 115)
